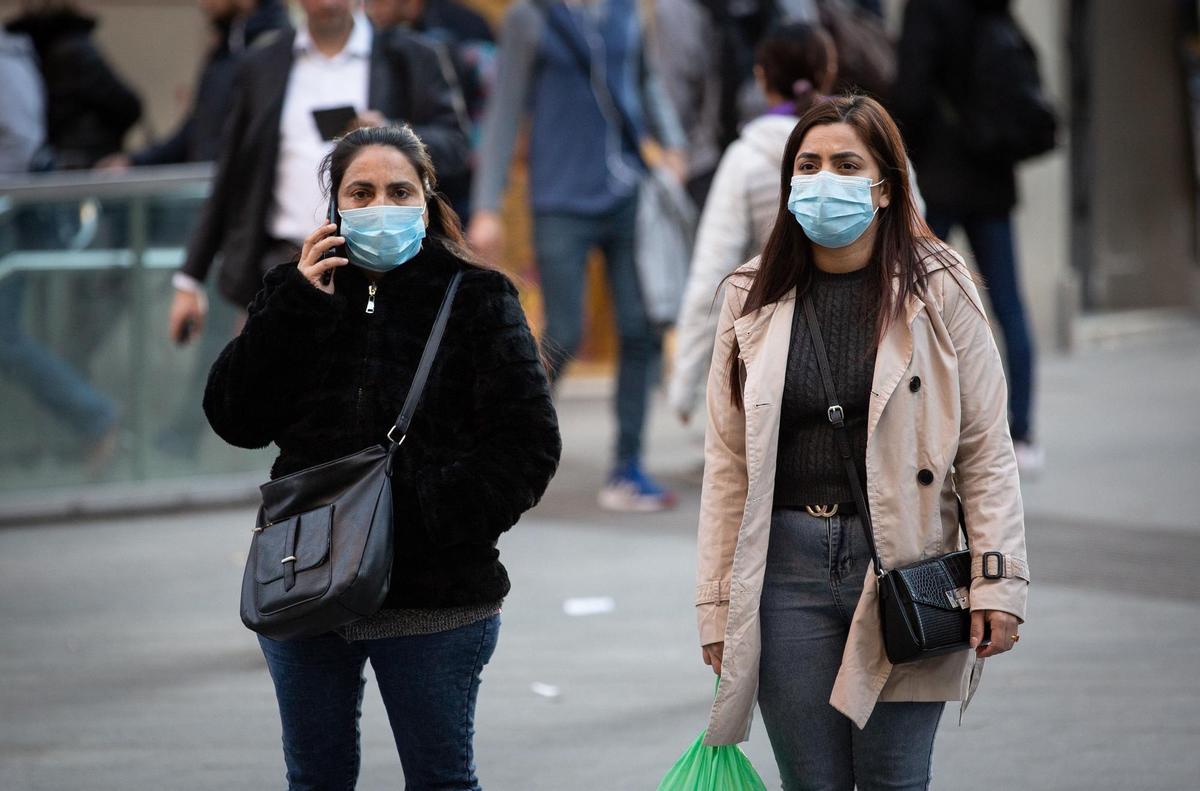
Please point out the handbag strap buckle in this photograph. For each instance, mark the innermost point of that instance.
(393, 440)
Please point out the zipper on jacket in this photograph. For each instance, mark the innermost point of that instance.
(371, 289)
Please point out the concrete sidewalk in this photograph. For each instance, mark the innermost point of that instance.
(123, 664)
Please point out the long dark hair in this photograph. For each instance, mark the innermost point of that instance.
(903, 242)
(444, 225)
(795, 58)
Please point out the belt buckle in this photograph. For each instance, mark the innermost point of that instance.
(822, 511)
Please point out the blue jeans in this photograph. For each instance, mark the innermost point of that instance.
(562, 243)
(814, 578)
(429, 685)
(991, 239)
(51, 381)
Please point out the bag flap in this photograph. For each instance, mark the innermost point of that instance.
(937, 582)
(310, 545)
(316, 487)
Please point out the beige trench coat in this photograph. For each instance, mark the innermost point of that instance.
(957, 418)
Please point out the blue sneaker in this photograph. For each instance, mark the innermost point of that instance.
(630, 489)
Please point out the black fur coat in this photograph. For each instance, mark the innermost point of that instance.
(321, 378)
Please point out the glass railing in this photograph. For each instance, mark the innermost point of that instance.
(92, 391)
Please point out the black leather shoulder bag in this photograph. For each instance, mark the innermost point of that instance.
(321, 555)
(925, 607)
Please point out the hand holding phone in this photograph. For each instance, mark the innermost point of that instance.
(322, 253)
(333, 252)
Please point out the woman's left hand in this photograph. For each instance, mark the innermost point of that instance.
(1004, 632)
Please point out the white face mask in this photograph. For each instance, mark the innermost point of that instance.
(833, 210)
(381, 238)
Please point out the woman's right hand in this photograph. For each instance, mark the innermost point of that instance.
(312, 265)
(712, 655)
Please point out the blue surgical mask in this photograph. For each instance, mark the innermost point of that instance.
(381, 238)
(834, 211)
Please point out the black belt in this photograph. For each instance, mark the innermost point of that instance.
(826, 511)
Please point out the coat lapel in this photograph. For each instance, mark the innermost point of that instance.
(272, 80)
(387, 81)
(764, 338)
(895, 355)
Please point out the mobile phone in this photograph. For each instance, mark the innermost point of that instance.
(333, 252)
(332, 122)
(185, 332)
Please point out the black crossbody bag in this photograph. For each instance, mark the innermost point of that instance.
(321, 555)
(925, 607)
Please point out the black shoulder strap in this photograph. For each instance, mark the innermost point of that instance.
(422, 376)
(837, 417)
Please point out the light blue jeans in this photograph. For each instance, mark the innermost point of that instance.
(814, 577)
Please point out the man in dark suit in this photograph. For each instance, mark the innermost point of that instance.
(265, 197)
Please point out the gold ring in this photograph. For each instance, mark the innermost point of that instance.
(1016, 637)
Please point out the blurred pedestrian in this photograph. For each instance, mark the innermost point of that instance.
(322, 369)
(89, 107)
(263, 203)
(52, 383)
(578, 70)
(687, 45)
(794, 65)
(794, 623)
(442, 17)
(966, 186)
(89, 110)
(237, 26)
(468, 49)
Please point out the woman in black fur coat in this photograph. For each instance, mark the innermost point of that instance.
(321, 369)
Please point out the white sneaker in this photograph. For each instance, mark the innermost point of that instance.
(1031, 459)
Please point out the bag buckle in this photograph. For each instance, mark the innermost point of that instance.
(998, 573)
(835, 414)
(393, 440)
(960, 598)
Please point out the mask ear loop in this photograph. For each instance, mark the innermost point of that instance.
(873, 186)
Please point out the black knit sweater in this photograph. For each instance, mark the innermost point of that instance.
(810, 470)
(321, 378)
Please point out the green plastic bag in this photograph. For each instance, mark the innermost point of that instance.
(701, 768)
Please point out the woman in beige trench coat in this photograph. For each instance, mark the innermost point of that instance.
(786, 596)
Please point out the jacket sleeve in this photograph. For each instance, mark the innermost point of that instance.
(724, 491)
(258, 374)
(985, 466)
(104, 90)
(436, 115)
(209, 233)
(483, 492)
(721, 246)
(516, 58)
(171, 151)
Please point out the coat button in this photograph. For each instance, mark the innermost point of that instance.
(925, 477)
(914, 384)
